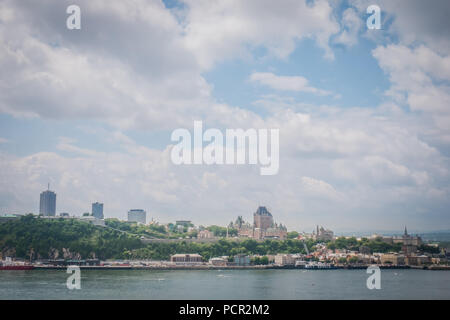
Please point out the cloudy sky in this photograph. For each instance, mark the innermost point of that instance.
(364, 115)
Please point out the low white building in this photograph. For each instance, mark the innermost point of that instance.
(284, 259)
(186, 258)
(93, 220)
(219, 261)
(205, 234)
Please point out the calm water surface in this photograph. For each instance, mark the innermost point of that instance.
(226, 284)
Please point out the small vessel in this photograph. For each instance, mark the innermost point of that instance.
(16, 267)
(8, 264)
(312, 265)
(300, 264)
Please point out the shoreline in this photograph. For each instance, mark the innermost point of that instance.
(206, 267)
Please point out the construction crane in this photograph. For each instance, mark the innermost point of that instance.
(306, 247)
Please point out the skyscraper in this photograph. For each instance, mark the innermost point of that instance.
(137, 215)
(97, 210)
(47, 205)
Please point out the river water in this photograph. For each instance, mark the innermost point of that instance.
(225, 284)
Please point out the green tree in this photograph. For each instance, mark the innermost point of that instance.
(292, 235)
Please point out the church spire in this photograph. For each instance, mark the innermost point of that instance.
(406, 231)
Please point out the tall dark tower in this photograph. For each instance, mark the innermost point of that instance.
(47, 205)
(262, 218)
(97, 210)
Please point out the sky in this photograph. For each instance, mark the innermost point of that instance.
(363, 114)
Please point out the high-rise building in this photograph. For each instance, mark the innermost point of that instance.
(137, 215)
(47, 205)
(97, 210)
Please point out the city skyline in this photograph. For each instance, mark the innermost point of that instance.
(140, 215)
(363, 115)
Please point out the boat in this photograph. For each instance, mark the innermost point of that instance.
(9, 265)
(16, 267)
(314, 265)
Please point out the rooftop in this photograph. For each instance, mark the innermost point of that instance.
(262, 211)
(186, 254)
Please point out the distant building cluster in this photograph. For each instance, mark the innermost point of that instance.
(321, 234)
(205, 234)
(263, 226)
(409, 242)
(47, 209)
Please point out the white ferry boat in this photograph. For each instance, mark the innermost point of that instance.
(313, 265)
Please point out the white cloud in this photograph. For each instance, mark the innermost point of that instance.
(127, 66)
(413, 22)
(352, 24)
(218, 30)
(139, 65)
(328, 173)
(320, 188)
(420, 78)
(286, 83)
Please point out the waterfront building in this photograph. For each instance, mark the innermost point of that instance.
(186, 258)
(219, 261)
(97, 210)
(285, 259)
(392, 258)
(242, 260)
(420, 260)
(137, 215)
(47, 204)
(364, 258)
